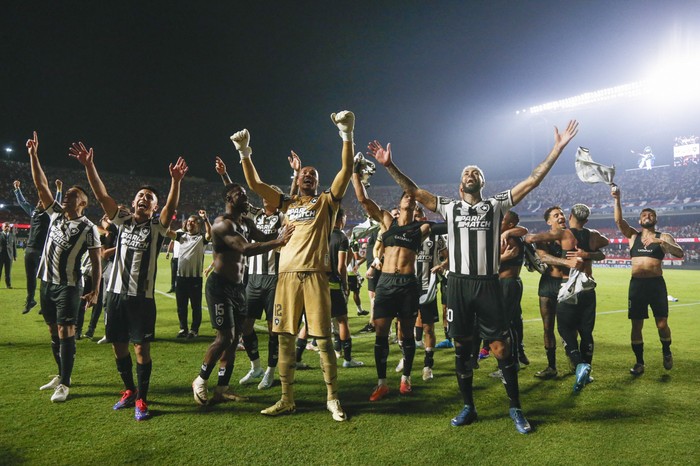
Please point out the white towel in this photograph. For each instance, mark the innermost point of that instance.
(589, 171)
(578, 281)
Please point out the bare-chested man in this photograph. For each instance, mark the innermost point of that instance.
(225, 291)
(647, 286)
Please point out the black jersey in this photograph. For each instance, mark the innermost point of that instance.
(406, 236)
(654, 250)
(38, 229)
(339, 243)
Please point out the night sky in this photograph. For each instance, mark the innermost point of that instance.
(145, 82)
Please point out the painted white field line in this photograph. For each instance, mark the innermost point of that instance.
(624, 310)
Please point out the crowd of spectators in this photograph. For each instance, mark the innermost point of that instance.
(666, 189)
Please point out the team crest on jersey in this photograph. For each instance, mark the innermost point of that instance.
(73, 230)
(429, 244)
(144, 233)
(485, 207)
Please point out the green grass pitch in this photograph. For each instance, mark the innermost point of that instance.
(618, 419)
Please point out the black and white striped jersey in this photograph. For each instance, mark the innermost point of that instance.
(428, 257)
(66, 242)
(190, 262)
(473, 233)
(266, 263)
(135, 260)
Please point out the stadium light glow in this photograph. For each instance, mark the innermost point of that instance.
(670, 80)
(8, 150)
(634, 89)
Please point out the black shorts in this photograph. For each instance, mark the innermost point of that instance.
(512, 291)
(353, 284)
(428, 311)
(339, 307)
(374, 281)
(226, 302)
(260, 295)
(549, 286)
(443, 291)
(645, 292)
(396, 296)
(59, 303)
(130, 318)
(579, 317)
(475, 301)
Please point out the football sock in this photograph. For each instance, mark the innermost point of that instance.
(224, 374)
(381, 353)
(429, 360)
(250, 342)
(347, 349)
(336, 342)
(409, 353)
(56, 350)
(510, 379)
(465, 375)
(552, 357)
(143, 376)
(273, 345)
(329, 366)
(301, 346)
(125, 369)
(286, 366)
(638, 349)
(67, 353)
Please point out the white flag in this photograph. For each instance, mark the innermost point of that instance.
(589, 171)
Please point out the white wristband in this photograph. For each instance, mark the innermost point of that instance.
(347, 137)
(245, 153)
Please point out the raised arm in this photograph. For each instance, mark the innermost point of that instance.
(220, 168)
(295, 165)
(59, 192)
(241, 140)
(40, 181)
(177, 173)
(26, 206)
(621, 223)
(531, 182)
(544, 236)
(86, 157)
(371, 207)
(384, 157)
(345, 121)
(207, 226)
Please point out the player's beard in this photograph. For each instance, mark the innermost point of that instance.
(648, 224)
(475, 188)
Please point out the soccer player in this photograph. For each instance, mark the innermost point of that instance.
(427, 259)
(473, 290)
(69, 235)
(559, 243)
(578, 318)
(647, 285)
(38, 228)
(398, 290)
(190, 265)
(260, 289)
(549, 250)
(354, 261)
(302, 283)
(338, 282)
(225, 290)
(129, 304)
(512, 256)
